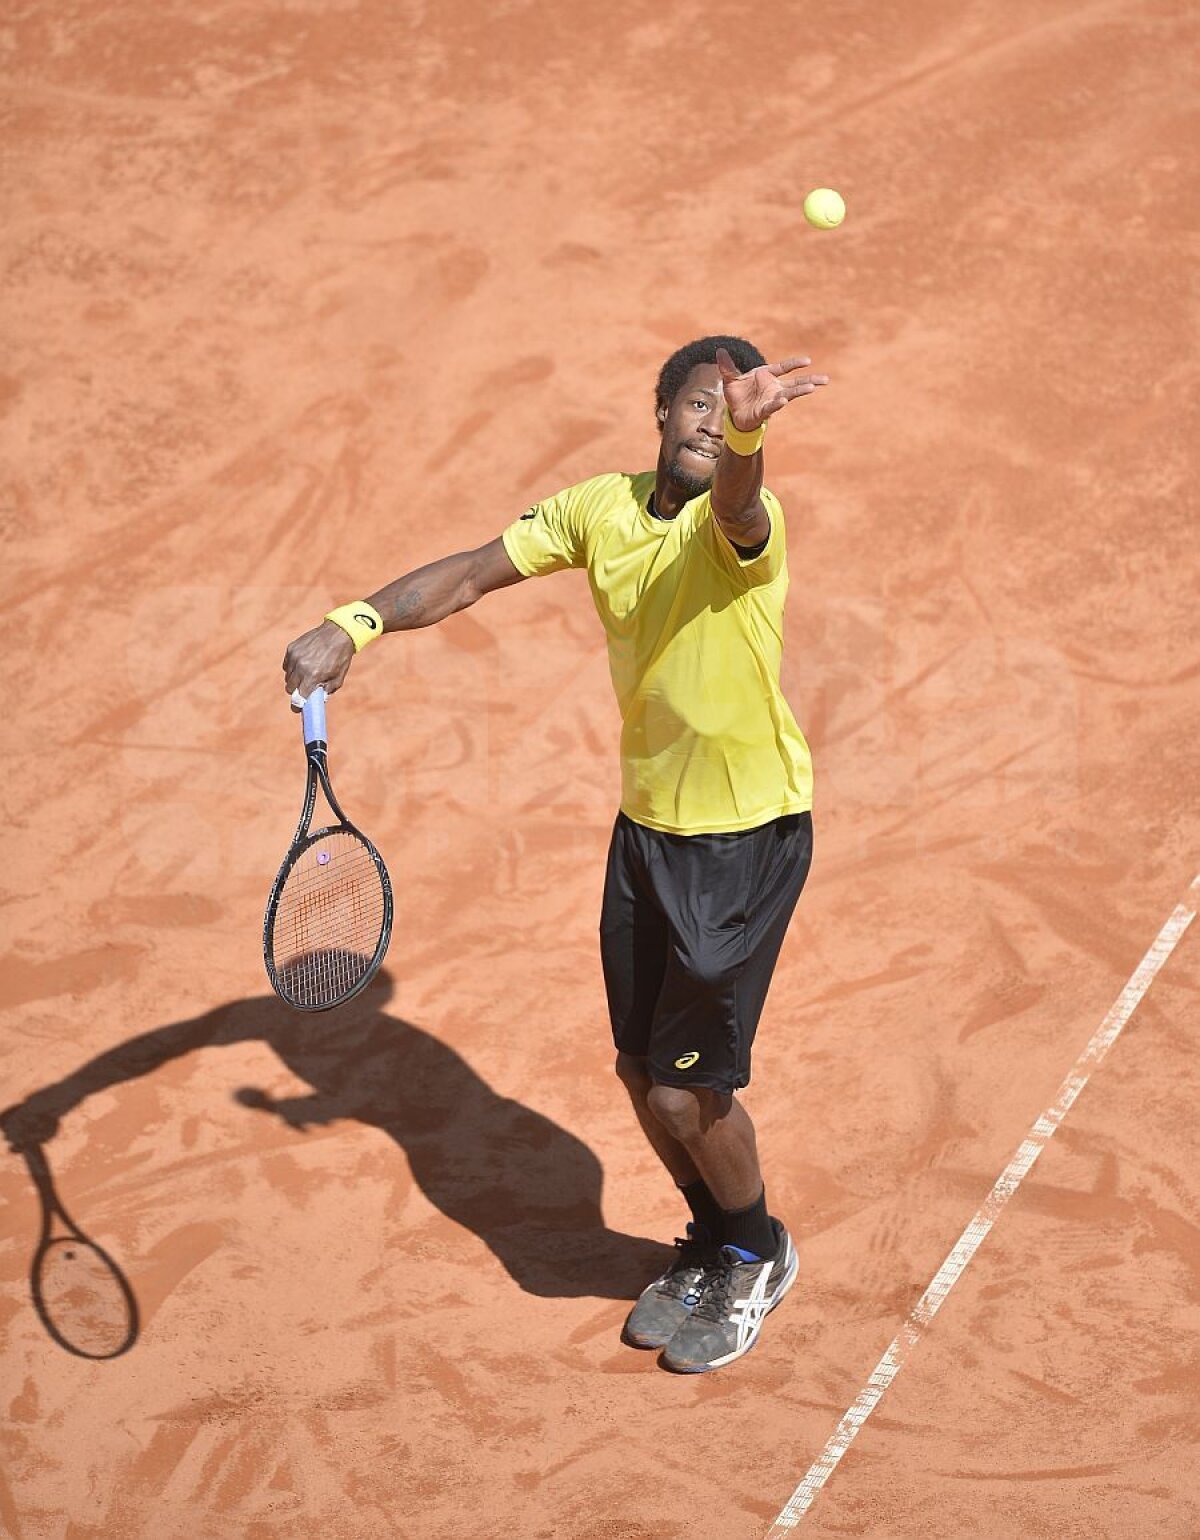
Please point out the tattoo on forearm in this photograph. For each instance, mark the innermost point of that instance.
(408, 604)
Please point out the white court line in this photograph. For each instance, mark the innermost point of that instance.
(973, 1236)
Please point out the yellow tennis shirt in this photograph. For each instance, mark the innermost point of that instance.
(695, 637)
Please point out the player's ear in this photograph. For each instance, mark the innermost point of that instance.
(660, 416)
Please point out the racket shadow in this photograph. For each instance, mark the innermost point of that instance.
(527, 1187)
(80, 1293)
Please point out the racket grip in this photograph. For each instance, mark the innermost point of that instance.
(312, 717)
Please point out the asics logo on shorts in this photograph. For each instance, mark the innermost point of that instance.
(686, 1060)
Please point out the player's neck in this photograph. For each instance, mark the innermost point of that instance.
(667, 499)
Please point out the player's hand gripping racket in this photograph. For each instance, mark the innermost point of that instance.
(329, 916)
(82, 1296)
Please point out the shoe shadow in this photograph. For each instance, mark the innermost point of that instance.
(528, 1188)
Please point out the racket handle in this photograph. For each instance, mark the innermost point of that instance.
(312, 715)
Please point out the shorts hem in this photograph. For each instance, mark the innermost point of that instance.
(698, 1082)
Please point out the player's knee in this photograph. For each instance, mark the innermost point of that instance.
(677, 1109)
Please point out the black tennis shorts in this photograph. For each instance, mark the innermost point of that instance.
(690, 931)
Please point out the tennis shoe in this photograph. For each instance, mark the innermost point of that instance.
(736, 1297)
(666, 1303)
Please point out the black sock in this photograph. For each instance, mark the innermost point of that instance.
(706, 1211)
(749, 1229)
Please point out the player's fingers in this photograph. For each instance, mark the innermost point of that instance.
(293, 670)
(302, 685)
(788, 365)
(315, 681)
(729, 370)
(807, 386)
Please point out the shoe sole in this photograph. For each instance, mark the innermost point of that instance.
(789, 1277)
(637, 1342)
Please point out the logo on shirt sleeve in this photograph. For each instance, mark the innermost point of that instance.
(532, 514)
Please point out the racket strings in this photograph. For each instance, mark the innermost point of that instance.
(329, 921)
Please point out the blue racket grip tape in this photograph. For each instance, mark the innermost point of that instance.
(312, 715)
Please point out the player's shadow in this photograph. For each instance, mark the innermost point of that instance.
(527, 1187)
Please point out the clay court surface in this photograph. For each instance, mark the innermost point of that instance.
(300, 297)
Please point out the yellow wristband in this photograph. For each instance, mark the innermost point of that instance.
(360, 621)
(741, 442)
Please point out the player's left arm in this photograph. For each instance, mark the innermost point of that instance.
(750, 399)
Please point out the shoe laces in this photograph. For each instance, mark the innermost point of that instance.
(717, 1290)
(691, 1255)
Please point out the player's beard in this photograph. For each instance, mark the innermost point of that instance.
(688, 482)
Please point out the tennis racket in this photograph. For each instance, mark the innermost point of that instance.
(82, 1297)
(329, 916)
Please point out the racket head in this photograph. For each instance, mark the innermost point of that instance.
(328, 920)
(83, 1298)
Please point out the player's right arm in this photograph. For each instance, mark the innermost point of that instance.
(322, 656)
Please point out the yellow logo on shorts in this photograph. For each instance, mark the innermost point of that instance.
(686, 1060)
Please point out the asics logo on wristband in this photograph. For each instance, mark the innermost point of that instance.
(361, 625)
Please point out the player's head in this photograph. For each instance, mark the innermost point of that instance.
(689, 408)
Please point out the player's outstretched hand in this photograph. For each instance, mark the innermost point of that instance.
(320, 658)
(760, 393)
(299, 1112)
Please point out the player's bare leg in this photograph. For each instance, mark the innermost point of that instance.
(716, 1134)
(698, 1135)
(635, 1077)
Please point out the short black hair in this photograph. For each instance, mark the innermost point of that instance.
(673, 374)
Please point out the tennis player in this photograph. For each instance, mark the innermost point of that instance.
(688, 570)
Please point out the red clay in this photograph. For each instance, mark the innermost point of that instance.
(300, 298)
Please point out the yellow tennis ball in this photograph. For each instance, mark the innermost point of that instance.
(824, 208)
